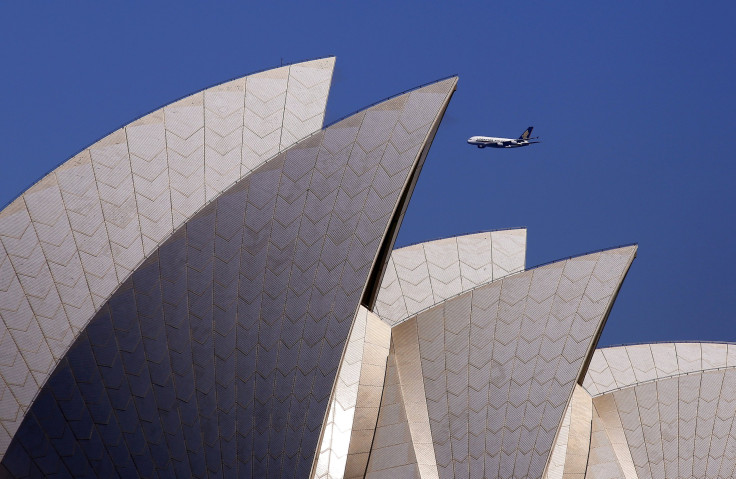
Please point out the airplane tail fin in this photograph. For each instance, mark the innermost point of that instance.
(527, 133)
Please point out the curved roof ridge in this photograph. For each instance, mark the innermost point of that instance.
(506, 276)
(618, 367)
(654, 380)
(687, 341)
(281, 235)
(159, 107)
(500, 355)
(424, 274)
(391, 97)
(69, 241)
(583, 254)
(479, 232)
(647, 421)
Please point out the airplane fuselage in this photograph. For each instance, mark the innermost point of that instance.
(492, 142)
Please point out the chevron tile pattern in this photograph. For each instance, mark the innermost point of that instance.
(668, 412)
(422, 275)
(184, 121)
(497, 365)
(80, 196)
(556, 464)
(218, 354)
(74, 237)
(265, 99)
(679, 426)
(224, 114)
(183, 299)
(623, 366)
(353, 410)
(304, 109)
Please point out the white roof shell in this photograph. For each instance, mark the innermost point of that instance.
(425, 274)
(623, 366)
(71, 239)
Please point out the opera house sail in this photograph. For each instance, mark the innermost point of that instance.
(212, 291)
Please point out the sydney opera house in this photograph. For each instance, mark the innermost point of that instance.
(213, 291)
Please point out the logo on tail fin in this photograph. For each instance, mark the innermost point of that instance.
(527, 133)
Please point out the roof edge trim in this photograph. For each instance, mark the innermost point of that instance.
(594, 341)
(373, 285)
(527, 270)
(408, 90)
(625, 245)
(691, 341)
(480, 232)
(163, 105)
(663, 378)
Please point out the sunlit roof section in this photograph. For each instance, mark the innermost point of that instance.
(425, 274)
(74, 237)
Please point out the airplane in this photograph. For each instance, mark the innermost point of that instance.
(523, 140)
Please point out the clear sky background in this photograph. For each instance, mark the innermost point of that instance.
(635, 103)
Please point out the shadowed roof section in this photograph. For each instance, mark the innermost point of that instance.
(219, 353)
(489, 373)
(416, 276)
(68, 242)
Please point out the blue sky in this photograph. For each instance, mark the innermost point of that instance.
(634, 102)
